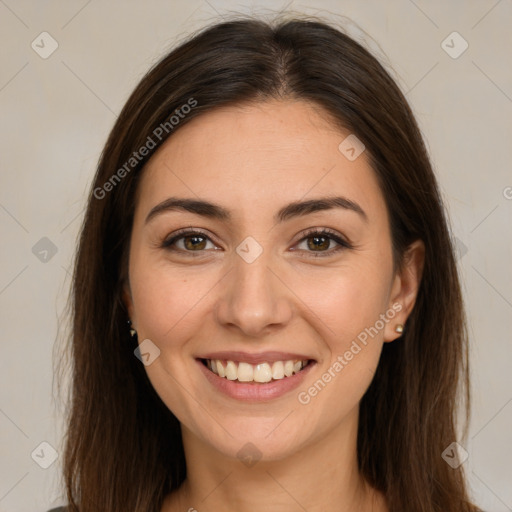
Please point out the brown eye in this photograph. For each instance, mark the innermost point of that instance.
(187, 241)
(194, 242)
(318, 242)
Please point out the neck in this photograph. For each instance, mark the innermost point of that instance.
(321, 477)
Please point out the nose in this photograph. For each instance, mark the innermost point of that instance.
(254, 298)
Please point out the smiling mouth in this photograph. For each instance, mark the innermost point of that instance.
(258, 373)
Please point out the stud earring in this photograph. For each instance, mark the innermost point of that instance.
(399, 328)
(133, 332)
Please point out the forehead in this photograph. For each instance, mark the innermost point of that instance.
(263, 154)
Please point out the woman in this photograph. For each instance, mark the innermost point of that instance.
(266, 307)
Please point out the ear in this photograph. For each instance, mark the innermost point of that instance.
(126, 297)
(405, 288)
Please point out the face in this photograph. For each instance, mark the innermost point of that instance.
(290, 306)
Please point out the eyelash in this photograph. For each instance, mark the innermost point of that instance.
(309, 233)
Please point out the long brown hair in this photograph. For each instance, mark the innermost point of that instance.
(123, 447)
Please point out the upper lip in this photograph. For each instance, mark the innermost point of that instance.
(255, 358)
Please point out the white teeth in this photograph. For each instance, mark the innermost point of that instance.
(220, 369)
(278, 370)
(231, 371)
(262, 372)
(245, 372)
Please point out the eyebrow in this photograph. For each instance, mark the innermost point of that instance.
(217, 212)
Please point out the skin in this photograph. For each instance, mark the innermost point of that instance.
(254, 159)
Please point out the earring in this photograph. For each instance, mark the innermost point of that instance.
(133, 332)
(399, 328)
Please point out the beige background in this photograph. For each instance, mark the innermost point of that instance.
(56, 114)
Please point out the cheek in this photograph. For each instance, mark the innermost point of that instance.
(166, 300)
(349, 311)
(348, 304)
(345, 301)
(169, 309)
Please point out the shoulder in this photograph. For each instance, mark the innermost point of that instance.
(58, 509)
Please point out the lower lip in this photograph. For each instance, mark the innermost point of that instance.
(255, 391)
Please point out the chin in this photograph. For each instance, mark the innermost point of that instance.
(251, 439)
